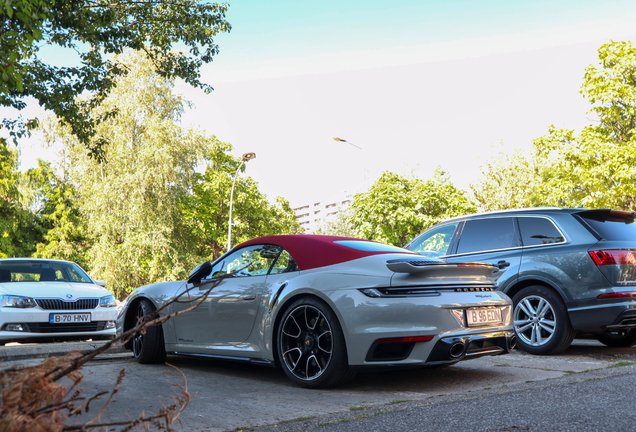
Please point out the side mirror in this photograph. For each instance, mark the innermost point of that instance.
(201, 271)
(101, 283)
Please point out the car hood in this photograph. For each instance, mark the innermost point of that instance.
(53, 290)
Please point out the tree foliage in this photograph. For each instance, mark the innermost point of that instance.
(507, 181)
(96, 30)
(145, 213)
(20, 229)
(207, 208)
(595, 168)
(395, 209)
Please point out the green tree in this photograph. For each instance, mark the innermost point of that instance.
(54, 201)
(131, 200)
(207, 208)
(507, 182)
(20, 229)
(596, 168)
(395, 209)
(95, 30)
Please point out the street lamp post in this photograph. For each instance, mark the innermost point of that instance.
(246, 157)
(345, 141)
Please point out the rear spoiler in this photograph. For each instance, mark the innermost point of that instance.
(603, 215)
(414, 265)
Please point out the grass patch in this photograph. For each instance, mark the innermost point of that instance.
(620, 363)
(359, 408)
(503, 365)
(398, 401)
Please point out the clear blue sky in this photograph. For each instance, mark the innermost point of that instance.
(416, 84)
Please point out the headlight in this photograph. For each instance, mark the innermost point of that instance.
(107, 301)
(16, 301)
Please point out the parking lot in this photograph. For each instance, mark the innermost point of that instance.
(228, 396)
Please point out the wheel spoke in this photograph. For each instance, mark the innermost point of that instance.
(523, 328)
(315, 360)
(326, 334)
(297, 326)
(289, 353)
(548, 326)
(544, 309)
(526, 307)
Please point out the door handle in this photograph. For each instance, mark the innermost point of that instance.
(503, 264)
(248, 297)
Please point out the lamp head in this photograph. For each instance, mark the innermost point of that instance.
(249, 156)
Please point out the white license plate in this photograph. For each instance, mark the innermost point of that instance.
(483, 316)
(69, 318)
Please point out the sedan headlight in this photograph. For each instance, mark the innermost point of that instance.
(107, 301)
(17, 301)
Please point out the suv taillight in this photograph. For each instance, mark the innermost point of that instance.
(613, 257)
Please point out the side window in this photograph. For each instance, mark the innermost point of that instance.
(538, 231)
(487, 234)
(435, 242)
(285, 263)
(255, 260)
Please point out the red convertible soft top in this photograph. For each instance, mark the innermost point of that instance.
(312, 251)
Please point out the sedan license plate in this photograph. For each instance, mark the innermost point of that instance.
(483, 316)
(69, 318)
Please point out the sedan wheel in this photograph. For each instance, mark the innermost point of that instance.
(311, 346)
(617, 338)
(541, 321)
(148, 346)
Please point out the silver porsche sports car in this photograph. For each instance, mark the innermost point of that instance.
(325, 307)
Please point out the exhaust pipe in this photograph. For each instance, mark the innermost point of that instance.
(457, 349)
(512, 342)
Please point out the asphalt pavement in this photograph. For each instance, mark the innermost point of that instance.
(587, 388)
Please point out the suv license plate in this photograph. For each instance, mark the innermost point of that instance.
(483, 316)
(69, 318)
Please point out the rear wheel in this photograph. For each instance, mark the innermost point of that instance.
(617, 338)
(541, 321)
(148, 347)
(311, 345)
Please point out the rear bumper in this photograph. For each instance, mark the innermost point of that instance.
(452, 349)
(600, 317)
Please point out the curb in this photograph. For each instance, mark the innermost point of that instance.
(42, 350)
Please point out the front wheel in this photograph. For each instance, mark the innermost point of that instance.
(617, 338)
(541, 321)
(311, 345)
(148, 347)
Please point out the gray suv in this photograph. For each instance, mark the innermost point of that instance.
(566, 270)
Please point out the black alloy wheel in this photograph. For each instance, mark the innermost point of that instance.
(541, 321)
(617, 338)
(148, 347)
(311, 346)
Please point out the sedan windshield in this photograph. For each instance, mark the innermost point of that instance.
(41, 271)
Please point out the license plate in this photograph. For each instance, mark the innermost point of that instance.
(69, 318)
(483, 316)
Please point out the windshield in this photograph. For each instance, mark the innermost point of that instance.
(41, 271)
(371, 246)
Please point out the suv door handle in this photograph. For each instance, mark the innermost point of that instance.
(502, 264)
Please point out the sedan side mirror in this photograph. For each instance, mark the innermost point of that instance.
(201, 271)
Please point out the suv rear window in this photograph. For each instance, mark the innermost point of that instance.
(613, 230)
(538, 231)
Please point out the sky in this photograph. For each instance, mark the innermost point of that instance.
(414, 86)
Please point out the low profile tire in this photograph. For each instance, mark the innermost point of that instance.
(541, 321)
(617, 338)
(148, 347)
(311, 345)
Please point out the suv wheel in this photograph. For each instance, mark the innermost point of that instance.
(541, 321)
